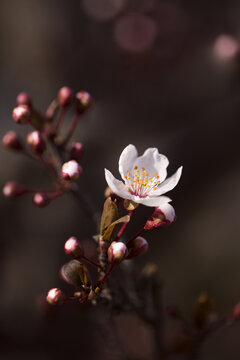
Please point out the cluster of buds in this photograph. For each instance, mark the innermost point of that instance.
(47, 143)
(112, 249)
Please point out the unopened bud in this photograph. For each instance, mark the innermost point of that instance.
(117, 252)
(162, 216)
(72, 247)
(56, 296)
(136, 247)
(21, 114)
(76, 151)
(24, 99)
(13, 189)
(11, 141)
(35, 140)
(41, 199)
(84, 101)
(65, 96)
(71, 170)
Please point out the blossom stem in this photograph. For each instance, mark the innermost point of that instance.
(60, 118)
(30, 156)
(92, 262)
(71, 129)
(40, 158)
(119, 234)
(136, 235)
(101, 281)
(51, 169)
(54, 192)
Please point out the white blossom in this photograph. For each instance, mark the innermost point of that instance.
(144, 177)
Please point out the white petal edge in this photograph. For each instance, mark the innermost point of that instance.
(153, 201)
(117, 186)
(153, 162)
(168, 211)
(168, 184)
(127, 160)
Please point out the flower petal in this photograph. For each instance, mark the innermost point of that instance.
(168, 211)
(168, 184)
(117, 186)
(153, 201)
(127, 159)
(153, 162)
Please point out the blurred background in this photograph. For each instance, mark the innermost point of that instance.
(163, 74)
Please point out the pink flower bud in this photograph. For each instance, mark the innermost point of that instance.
(71, 170)
(41, 199)
(56, 296)
(21, 114)
(136, 247)
(35, 140)
(11, 141)
(162, 216)
(12, 189)
(72, 247)
(65, 96)
(24, 99)
(76, 151)
(84, 101)
(117, 252)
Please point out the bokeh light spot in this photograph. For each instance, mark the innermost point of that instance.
(135, 32)
(102, 10)
(226, 47)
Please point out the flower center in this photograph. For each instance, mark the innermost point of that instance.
(140, 183)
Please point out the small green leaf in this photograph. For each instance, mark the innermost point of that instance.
(109, 214)
(75, 273)
(83, 273)
(108, 232)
